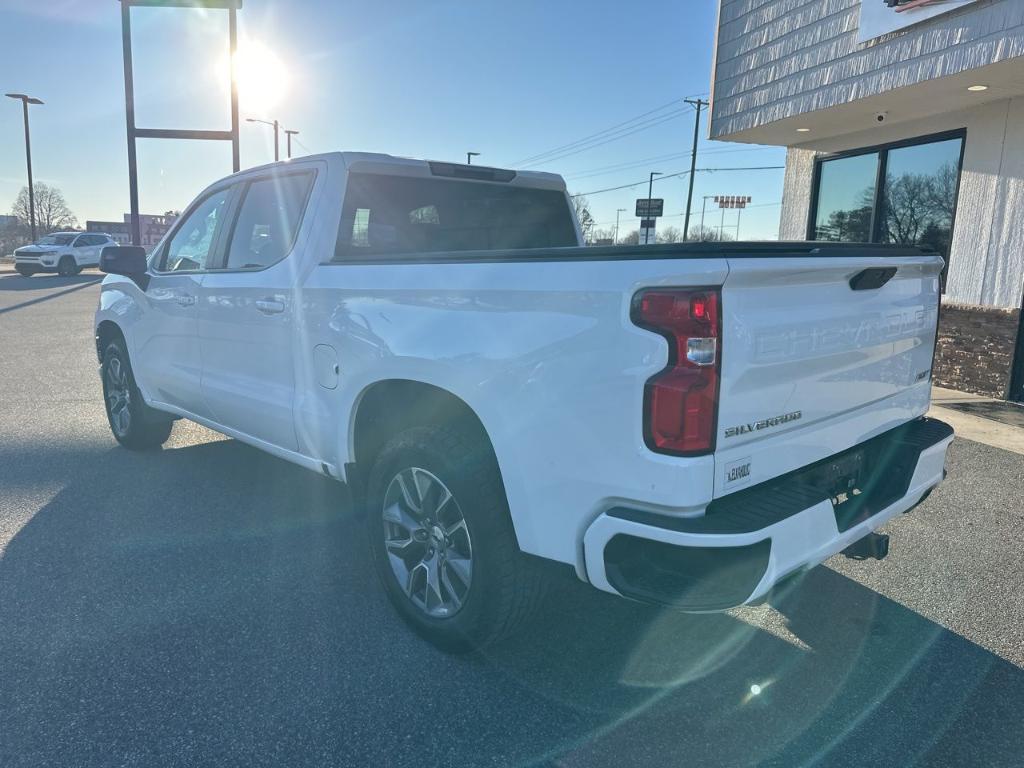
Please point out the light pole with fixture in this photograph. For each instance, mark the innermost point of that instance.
(470, 156)
(25, 101)
(617, 212)
(650, 187)
(277, 128)
(289, 134)
(703, 208)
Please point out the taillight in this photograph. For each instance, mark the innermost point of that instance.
(681, 402)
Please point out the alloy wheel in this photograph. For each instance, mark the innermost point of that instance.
(118, 396)
(427, 542)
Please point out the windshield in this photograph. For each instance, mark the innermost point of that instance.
(399, 214)
(56, 240)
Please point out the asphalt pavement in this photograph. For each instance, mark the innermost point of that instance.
(210, 605)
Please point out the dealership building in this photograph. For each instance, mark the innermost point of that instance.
(904, 123)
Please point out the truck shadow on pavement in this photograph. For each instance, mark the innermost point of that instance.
(209, 604)
(46, 282)
(40, 284)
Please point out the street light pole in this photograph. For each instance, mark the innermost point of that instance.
(703, 208)
(277, 127)
(617, 212)
(470, 156)
(650, 186)
(289, 134)
(25, 101)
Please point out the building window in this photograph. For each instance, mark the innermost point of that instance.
(903, 193)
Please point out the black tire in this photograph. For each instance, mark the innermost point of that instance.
(505, 584)
(66, 267)
(133, 423)
(25, 271)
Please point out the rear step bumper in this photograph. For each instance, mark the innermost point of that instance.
(748, 541)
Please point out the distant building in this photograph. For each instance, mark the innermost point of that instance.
(116, 229)
(8, 221)
(904, 122)
(152, 228)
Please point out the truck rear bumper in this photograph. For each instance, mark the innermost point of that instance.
(750, 540)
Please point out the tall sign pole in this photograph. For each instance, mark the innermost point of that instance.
(739, 202)
(697, 104)
(134, 132)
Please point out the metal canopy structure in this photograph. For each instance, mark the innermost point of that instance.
(134, 132)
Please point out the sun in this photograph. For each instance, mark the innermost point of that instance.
(261, 75)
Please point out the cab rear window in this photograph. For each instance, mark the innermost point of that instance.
(399, 215)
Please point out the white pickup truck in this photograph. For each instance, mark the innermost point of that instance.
(684, 424)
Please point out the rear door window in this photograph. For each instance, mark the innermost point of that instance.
(400, 214)
(268, 220)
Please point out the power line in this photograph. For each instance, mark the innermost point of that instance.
(680, 173)
(607, 169)
(533, 159)
(571, 144)
(637, 128)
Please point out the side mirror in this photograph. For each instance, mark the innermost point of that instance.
(128, 260)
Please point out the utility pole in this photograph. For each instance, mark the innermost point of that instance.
(617, 212)
(650, 186)
(25, 101)
(470, 156)
(289, 134)
(697, 104)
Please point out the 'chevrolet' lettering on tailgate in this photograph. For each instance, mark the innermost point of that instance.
(774, 421)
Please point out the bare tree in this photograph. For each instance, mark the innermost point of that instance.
(909, 207)
(670, 235)
(583, 214)
(630, 238)
(604, 236)
(52, 211)
(708, 235)
(13, 235)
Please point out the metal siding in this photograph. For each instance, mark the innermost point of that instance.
(779, 58)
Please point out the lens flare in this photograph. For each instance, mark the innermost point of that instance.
(261, 75)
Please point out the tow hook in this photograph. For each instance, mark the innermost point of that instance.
(874, 545)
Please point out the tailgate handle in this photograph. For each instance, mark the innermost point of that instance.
(871, 278)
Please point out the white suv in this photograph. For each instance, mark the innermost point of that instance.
(65, 253)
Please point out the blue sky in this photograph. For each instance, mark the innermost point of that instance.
(423, 78)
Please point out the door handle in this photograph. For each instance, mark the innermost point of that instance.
(270, 306)
(185, 300)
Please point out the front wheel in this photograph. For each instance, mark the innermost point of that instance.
(66, 267)
(25, 271)
(442, 539)
(134, 424)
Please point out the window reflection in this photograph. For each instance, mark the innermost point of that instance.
(920, 195)
(915, 206)
(846, 198)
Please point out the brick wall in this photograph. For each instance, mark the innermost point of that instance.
(975, 349)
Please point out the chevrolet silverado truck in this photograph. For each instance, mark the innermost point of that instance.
(681, 424)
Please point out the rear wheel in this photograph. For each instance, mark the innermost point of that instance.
(134, 424)
(66, 267)
(442, 539)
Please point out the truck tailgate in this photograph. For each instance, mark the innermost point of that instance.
(824, 350)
